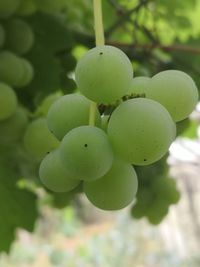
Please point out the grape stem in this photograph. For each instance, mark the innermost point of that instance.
(99, 37)
(98, 22)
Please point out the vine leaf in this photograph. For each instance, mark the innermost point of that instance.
(18, 207)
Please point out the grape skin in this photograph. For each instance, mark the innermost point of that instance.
(139, 85)
(11, 68)
(19, 36)
(176, 91)
(141, 131)
(12, 129)
(115, 190)
(68, 112)
(86, 153)
(28, 73)
(53, 174)
(8, 101)
(44, 106)
(38, 140)
(104, 74)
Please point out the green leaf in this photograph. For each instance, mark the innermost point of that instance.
(51, 32)
(18, 207)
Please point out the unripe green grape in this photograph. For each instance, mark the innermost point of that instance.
(54, 175)
(11, 68)
(27, 8)
(104, 74)
(38, 140)
(13, 128)
(8, 101)
(166, 188)
(176, 91)
(86, 153)
(28, 73)
(46, 104)
(2, 36)
(115, 190)
(8, 8)
(19, 36)
(68, 112)
(157, 211)
(143, 203)
(139, 85)
(141, 131)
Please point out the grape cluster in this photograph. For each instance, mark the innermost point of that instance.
(22, 129)
(138, 131)
(157, 191)
(16, 72)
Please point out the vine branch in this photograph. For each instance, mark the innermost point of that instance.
(126, 15)
(173, 47)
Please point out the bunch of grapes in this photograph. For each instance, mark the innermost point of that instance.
(16, 72)
(157, 191)
(24, 133)
(139, 131)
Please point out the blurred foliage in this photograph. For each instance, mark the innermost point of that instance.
(18, 206)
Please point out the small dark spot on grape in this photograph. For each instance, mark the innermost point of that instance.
(86, 145)
(145, 159)
(101, 53)
(48, 152)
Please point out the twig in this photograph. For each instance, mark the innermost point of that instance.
(125, 17)
(173, 47)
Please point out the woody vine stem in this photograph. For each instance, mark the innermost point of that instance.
(99, 37)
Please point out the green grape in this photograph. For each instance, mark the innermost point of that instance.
(139, 85)
(8, 8)
(157, 211)
(2, 36)
(38, 140)
(144, 200)
(137, 211)
(115, 190)
(166, 188)
(68, 112)
(141, 131)
(13, 128)
(86, 153)
(176, 91)
(11, 68)
(43, 108)
(54, 175)
(19, 36)
(61, 200)
(28, 73)
(8, 101)
(104, 74)
(27, 8)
